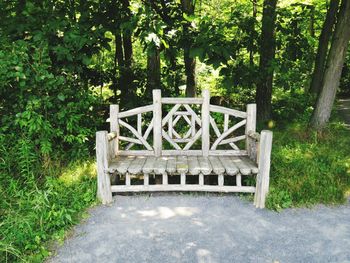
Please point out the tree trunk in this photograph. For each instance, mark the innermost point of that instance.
(312, 21)
(294, 47)
(190, 69)
(126, 73)
(190, 63)
(267, 54)
(322, 49)
(127, 45)
(118, 61)
(251, 41)
(153, 70)
(335, 61)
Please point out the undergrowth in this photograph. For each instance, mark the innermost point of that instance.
(309, 168)
(36, 213)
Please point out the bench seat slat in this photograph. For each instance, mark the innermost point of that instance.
(245, 167)
(149, 165)
(120, 164)
(230, 166)
(171, 165)
(252, 164)
(218, 167)
(193, 165)
(160, 165)
(137, 164)
(205, 165)
(181, 164)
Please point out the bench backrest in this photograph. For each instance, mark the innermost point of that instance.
(158, 133)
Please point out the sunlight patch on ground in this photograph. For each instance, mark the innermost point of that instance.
(163, 212)
(204, 256)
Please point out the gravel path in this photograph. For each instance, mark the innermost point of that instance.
(207, 228)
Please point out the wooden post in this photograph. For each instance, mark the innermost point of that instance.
(221, 179)
(183, 179)
(201, 179)
(239, 179)
(127, 179)
(145, 179)
(263, 177)
(104, 192)
(205, 122)
(157, 123)
(165, 179)
(114, 126)
(250, 126)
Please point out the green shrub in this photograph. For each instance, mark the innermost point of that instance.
(34, 214)
(47, 120)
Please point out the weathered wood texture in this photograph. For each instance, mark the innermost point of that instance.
(182, 188)
(205, 123)
(182, 159)
(157, 122)
(250, 127)
(230, 165)
(103, 181)
(263, 178)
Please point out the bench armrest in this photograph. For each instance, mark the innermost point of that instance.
(107, 145)
(254, 135)
(112, 135)
(113, 144)
(253, 142)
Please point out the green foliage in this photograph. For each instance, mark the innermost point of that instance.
(291, 105)
(34, 214)
(47, 117)
(309, 168)
(42, 107)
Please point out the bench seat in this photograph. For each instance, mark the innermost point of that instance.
(193, 165)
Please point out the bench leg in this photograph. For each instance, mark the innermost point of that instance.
(201, 179)
(220, 179)
(127, 179)
(104, 192)
(146, 179)
(239, 179)
(165, 179)
(183, 179)
(263, 177)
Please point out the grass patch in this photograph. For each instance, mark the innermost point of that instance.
(35, 214)
(309, 168)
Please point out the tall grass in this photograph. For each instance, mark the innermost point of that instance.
(35, 213)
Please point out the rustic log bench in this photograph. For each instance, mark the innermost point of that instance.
(192, 149)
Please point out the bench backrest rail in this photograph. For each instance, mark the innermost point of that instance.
(164, 128)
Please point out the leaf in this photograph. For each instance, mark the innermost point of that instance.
(189, 18)
(61, 97)
(68, 217)
(165, 43)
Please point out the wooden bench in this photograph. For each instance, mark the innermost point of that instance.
(180, 137)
